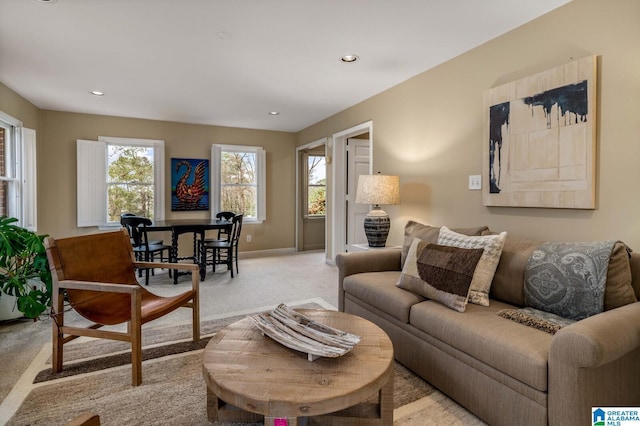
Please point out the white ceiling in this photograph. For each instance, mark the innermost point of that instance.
(230, 62)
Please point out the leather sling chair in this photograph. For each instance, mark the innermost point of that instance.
(97, 273)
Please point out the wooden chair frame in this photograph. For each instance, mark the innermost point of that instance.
(141, 301)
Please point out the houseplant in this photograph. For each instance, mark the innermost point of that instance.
(24, 270)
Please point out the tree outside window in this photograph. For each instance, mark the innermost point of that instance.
(316, 186)
(238, 181)
(130, 181)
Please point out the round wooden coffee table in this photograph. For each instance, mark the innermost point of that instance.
(249, 376)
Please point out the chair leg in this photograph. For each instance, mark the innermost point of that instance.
(135, 332)
(195, 307)
(236, 258)
(230, 260)
(57, 305)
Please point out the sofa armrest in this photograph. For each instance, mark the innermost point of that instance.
(595, 362)
(598, 340)
(365, 261)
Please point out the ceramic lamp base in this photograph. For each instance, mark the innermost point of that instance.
(376, 227)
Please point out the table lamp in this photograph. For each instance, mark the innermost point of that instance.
(377, 189)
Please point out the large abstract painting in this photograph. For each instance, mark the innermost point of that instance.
(189, 184)
(540, 144)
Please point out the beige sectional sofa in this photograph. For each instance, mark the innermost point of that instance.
(505, 372)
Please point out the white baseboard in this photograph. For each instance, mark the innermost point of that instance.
(263, 253)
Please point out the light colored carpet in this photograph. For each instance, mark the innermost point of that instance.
(173, 391)
(263, 283)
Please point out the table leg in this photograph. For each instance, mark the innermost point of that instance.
(198, 257)
(386, 402)
(220, 411)
(213, 406)
(174, 253)
(280, 421)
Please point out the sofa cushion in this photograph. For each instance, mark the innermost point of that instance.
(430, 234)
(379, 290)
(508, 281)
(483, 275)
(619, 290)
(440, 273)
(514, 349)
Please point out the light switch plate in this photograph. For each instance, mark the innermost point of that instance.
(475, 182)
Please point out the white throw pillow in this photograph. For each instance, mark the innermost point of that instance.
(483, 275)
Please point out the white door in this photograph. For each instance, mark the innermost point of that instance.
(357, 164)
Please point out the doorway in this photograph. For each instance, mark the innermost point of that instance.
(342, 189)
(311, 193)
(358, 163)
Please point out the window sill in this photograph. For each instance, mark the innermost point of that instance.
(315, 217)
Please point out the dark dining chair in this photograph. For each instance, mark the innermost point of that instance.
(224, 252)
(153, 242)
(223, 233)
(143, 249)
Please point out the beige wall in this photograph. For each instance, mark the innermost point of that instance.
(57, 169)
(428, 129)
(16, 106)
(57, 133)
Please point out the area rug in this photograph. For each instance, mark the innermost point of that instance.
(97, 379)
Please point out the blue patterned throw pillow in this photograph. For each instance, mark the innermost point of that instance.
(568, 279)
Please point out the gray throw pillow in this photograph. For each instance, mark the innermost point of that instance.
(568, 279)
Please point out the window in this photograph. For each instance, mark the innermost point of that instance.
(18, 172)
(119, 175)
(316, 186)
(130, 181)
(238, 177)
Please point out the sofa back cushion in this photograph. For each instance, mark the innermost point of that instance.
(508, 281)
(619, 290)
(430, 234)
(635, 273)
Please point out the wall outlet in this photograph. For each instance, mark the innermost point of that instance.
(475, 182)
(248, 238)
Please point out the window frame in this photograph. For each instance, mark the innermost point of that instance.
(216, 179)
(307, 185)
(21, 171)
(92, 174)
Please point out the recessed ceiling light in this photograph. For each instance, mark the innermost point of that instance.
(97, 93)
(349, 58)
(274, 113)
(47, 1)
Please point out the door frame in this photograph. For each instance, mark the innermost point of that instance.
(337, 224)
(299, 224)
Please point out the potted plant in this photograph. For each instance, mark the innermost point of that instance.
(24, 270)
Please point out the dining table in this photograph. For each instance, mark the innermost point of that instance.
(197, 227)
